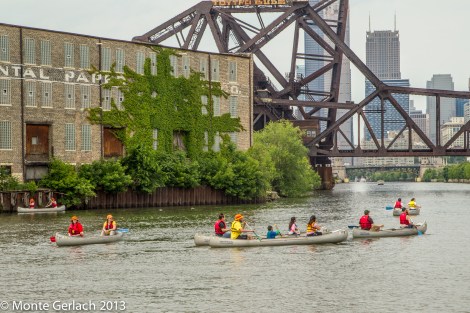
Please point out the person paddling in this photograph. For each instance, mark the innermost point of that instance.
(220, 227)
(405, 220)
(75, 228)
(367, 223)
(32, 204)
(109, 226)
(398, 204)
(293, 229)
(313, 229)
(52, 203)
(237, 229)
(412, 204)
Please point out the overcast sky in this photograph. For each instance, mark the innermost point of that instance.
(434, 35)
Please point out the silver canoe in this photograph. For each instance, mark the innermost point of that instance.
(393, 232)
(397, 212)
(331, 237)
(63, 240)
(41, 210)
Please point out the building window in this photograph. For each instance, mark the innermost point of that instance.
(203, 68)
(86, 138)
(68, 53)
(155, 139)
(84, 57)
(69, 137)
(186, 66)
(46, 94)
(4, 48)
(234, 137)
(46, 59)
(206, 141)
(106, 59)
(204, 105)
(215, 70)
(69, 96)
(106, 100)
(153, 63)
(120, 61)
(119, 96)
(5, 91)
(232, 71)
(216, 105)
(216, 146)
(30, 90)
(233, 107)
(29, 51)
(174, 65)
(86, 96)
(5, 135)
(140, 61)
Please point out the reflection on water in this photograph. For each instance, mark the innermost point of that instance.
(158, 269)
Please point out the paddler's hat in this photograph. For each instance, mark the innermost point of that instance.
(238, 217)
(74, 218)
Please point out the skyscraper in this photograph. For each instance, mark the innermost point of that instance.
(447, 107)
(383, 59)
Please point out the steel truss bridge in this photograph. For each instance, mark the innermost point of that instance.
(274, 97)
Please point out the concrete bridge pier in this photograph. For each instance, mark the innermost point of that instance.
(324, 169)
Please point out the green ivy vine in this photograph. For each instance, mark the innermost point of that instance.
(166, 103)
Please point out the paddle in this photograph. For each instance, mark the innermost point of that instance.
(277, 228)
(353, 226)
(258, 237)
(123, 230)
(52, 238)
(388, 207)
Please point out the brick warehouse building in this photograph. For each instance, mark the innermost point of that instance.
(45, 87)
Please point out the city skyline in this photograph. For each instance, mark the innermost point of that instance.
(428, 47)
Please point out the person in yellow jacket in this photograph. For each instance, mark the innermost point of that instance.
(412, 204)
(109, 227)
(237, 229)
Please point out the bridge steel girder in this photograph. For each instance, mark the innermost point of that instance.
(278, 103)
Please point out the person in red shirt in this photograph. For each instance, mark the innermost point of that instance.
(109, 226)
(367, 223)
(220, 227)
(75, 228)
(52, 203)
(31, 203)
(398, 204)
(405, 220)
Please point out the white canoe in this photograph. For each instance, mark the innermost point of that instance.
(393, 232)
(41, 210)
(331, 237)
(63, 240)
(397, 212)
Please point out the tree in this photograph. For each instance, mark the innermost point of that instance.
(106, 175)
(63, 178)
(294, 175)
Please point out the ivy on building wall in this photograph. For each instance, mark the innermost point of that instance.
(171, 105)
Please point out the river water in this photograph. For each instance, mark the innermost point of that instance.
(158, 268)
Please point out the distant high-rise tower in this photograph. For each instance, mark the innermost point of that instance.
(383, 53)
(447, 107)
(383, 59)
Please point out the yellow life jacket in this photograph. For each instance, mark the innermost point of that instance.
(412, 204)
(236, 229)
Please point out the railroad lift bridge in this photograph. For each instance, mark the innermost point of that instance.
(276, 95)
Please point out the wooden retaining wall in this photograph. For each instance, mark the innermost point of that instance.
(162, 197)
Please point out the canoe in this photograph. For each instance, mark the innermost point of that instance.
(380, 182)
(397, 212)
(63, 240)
(393, 232)
(331, 237)
(41, 210)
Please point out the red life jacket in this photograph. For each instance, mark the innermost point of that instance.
(217, 228)
(397, 205)
(54, 204)
(75, 228)
(403, 220)
(365, 223)
(31, 205)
